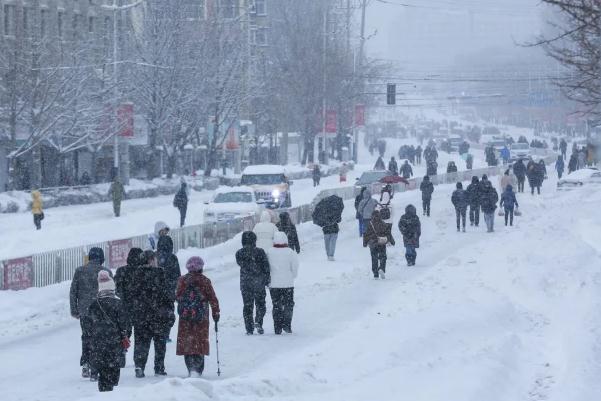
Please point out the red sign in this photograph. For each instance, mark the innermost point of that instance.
(18, 274)
(118, 251)
(125, 119)
(231, 142)
(360, 115)
(331, 121)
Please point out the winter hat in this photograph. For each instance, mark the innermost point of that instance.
(160, 226)
(105, 281)
(280, 238)
(96, 255)
(484, 177)
(133, 257)
(459, 185)
(195, 264)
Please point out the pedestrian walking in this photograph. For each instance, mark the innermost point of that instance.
(427, 188)
(488, 202)
(505, 155)
(506, 179)
(283, 267)
(451, 167)
(563, 146)
(344, 169)
(160, 230)
(264, 230)
(83, 291)
(316, 174)
(379, 164)
(117, 194)
(509, 203)
(366, 208)
(125, 281)
(378, 234)
(286, 226)
(573, 164)
(473, 196)
(167, 260)
(358, 215)
(254, 277)
(37, 209)
(393, 167)
(519, 170)
(559, 166)
(406, 170)
(418, 155)
(469, 161)
(460, 200)
(107, 324)
(180, 201)
(327, 214)
(410, 228)
(194, 295)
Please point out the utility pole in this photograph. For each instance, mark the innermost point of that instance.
(115, 93)
(325, 81)
(362, 40)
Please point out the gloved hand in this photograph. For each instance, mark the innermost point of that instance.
(216, 318)
(125, 343)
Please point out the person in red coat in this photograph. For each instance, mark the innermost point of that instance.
(194, 295)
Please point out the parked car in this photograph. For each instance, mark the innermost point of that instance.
(368, 178)
(270, 183)
(230, 203)
(454, 142)
(578, 178)
(520, 151)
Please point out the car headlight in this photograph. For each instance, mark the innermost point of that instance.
(275, 193)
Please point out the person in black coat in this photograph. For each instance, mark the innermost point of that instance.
(488, 202)
(519, 169)
(84, 289)
(418, 155)
(460, 200)
(411, 229)
(124, 281)
(152, 313)
(180, 201)
(316, 174)
(168, 261)
(473, 193)
(427, 188)
(380, 164)
(406, 170)
(107, 324)
(254, 277)
(287, 226)
(393, 167)
(573, 163)
(509, 203)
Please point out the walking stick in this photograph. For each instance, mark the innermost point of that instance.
(217, 348)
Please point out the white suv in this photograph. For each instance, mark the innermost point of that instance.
(230, 203)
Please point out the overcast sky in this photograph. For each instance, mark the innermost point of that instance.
(435, 35)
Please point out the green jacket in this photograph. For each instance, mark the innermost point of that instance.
(117, 191)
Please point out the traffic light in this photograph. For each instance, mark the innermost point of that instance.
(391, 94)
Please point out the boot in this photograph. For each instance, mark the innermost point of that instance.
(85, 371)
(259, 328)
(140, 373)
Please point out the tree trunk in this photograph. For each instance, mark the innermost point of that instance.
(36, 168)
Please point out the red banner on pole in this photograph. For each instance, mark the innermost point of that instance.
(360, 115)
(331, 123)
(18, 274)
(125, 119)
(232, 142)
(118, 251)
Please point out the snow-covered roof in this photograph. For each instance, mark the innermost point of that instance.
(262, 169)
(241, 188)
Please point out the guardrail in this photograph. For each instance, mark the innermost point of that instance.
(56, 266)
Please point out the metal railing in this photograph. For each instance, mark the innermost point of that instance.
(56, 266)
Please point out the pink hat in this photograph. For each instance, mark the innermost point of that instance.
(195, 264)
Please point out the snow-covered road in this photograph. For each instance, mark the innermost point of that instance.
(506, 316)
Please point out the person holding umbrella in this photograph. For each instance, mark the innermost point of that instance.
(327, 214)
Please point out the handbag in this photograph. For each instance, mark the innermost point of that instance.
(380, 240)
(385, 213)
(517, 212)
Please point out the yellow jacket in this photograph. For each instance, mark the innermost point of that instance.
(36, 203)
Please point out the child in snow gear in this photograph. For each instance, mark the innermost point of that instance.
(117, 193)
(180, 201)
(283, 266)
(254, 277)
(160, 230)
(488, 202)
(194, 295)
(460, 200)
(410, 228)
(427, 188)
(509, 202)
(152, 311)
(106, 323)
(473, 196)
(286, 226)
(377, 235)
(36, 209)
(83, 292)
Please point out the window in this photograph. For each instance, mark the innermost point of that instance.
(60, 23)
(91, 23)
(229, 8)
(9, 19)
(43, 23)
(260, 7)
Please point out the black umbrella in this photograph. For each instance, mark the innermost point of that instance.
(328, 211)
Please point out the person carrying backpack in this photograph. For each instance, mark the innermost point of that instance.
(473, 196)
(194, 295)
(254, 277)
(509, 202)
(377, 235)
(460, 201)
(427, 188)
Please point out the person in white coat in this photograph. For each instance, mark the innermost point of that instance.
(283, 265)
(264, 230)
